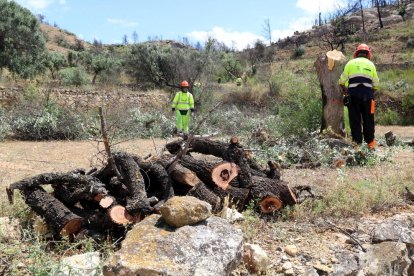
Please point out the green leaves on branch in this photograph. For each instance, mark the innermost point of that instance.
(21, 42)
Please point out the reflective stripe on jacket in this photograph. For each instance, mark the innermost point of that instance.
(360, 71)
(183, 101)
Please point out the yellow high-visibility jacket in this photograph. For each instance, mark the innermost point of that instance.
(360, 76)
(183, 101)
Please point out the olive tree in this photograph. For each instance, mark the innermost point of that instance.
(22, 43)
(166, 65)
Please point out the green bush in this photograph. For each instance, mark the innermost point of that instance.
(147, 124)
(50, 123)
(299, 51)
(300, 116)
(388, 117)
(73, 76)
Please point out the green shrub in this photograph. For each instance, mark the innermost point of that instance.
(147, 124)
(50, 123)
(388, 117)
(299, 51)
(300, 115)
(73, 76)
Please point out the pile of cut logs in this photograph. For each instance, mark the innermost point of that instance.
(129, 187)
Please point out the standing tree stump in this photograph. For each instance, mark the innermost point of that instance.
(329, 68)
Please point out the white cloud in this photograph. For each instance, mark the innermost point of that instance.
(238, 40)
(35, 4)
(301, 24)
(122, 22)
(316, 6)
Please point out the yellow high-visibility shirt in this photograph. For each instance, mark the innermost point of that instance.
(183, 101)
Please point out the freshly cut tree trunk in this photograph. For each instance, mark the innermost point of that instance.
(107, 202)
(223, 174)
(54, 212)
(264, 187)
(270, 204)
(121, 216)
(203, 192)
(333, 107)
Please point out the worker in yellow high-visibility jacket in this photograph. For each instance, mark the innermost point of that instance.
(183, 106)
(359, 81)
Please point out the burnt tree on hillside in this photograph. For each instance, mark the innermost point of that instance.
(377, 4)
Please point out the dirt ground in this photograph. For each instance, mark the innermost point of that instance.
(20, 159)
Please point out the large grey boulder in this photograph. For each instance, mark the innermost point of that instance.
(152, 247)
(185, 210)
(386, 258)
(395, 228)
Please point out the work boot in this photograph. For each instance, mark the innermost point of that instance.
(372, 145)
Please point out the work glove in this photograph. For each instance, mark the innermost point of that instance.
(192, 112)
(173, 109)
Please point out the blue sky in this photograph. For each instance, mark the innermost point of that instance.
(236, 23)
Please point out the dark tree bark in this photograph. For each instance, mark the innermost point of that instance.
(266, 187)
(333, 108)
(238, 197)
(131, 177)
(61, 220)
(200, 145)
(379, 14)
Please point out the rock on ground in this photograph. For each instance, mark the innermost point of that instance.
(87, 264)
(212, 247)
(9, 229)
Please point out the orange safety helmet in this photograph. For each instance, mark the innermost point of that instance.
(184, 84)
(363, 47)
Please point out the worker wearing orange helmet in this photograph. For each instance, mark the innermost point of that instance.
(183, 106)
(358, 82)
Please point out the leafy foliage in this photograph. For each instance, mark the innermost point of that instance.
(73, 76)
(49, 123)
(21, 42)
(166, 65)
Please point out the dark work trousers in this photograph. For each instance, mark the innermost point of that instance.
(361, 114)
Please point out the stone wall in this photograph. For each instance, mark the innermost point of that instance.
(76, 97)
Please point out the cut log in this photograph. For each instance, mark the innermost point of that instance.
(131, 177)
(107, 202)
(61, 179)
(73, 193)
(157, 181)
(238, 197)
(200, 145)
(57, 216)
(333, 107)
(203, 192)
(264, 187)
(204, 171)
(270, 204)
(121, 216)
(184, 176)
(234, 153)
(223, 173)
(274, 171)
